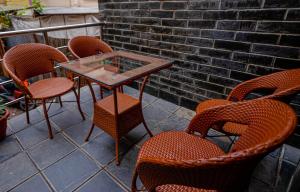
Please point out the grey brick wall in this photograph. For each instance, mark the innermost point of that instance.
(215, 43)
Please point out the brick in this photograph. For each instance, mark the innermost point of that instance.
(121, 26)
(240, 4)
(211, 94)
(138, 41)
(169, 82)
(223, 81)
(232, 45)
(193, 89)
(253, 59)
(202, 24)
(131, 33)
(215, 53)
(114, 31)
(220, 15)
(188, 14)
(129, 5)
(186, 32)
(160, 45)
(198, 59)
(204, 4)
(217, 34)
(184, 48)
(213, 70)
(130, 20)
(171, 54)
(278, 51)
(151, 36)
(279, 27)
(162, 30)
(185, 65)
(150, 50)
(162, 14)
(199, 42)
(195, 75)
(257, 37)
(173, 22)
(293, 15)
(227, 64)
(258, 70)
(241, 76)
(181, 79)
(150, 5)
(122, 39)
(174, 39)
(262, 14)
(188, 103)
(237, 25)
(115, 44)
(181, 92)
(210, 86)
(174, 5)
(141, 13)
(281, 3)
(290, 40)
(287, 63)
(169, 97)
(150, 21)
(131, 47)
(143, 28)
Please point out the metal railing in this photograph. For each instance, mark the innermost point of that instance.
(44, 31)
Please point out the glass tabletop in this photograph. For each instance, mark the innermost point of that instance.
(115, 68)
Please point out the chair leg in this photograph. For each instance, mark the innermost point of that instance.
(78, 104)
(122, 89)
(47, 119)
(60, 102)
(90, 133)
(101, 92)
(146, 126)
(117, 152)
(78, 87)
(27, 110)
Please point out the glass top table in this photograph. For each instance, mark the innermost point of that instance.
(114, 69)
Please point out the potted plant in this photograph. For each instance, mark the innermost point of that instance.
(4, 114)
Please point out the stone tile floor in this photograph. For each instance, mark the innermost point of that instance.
(29, 161)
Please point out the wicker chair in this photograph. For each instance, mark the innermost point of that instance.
(185, 161)
(85, 46)
(118, 121)
(29, 60)
(285, 85)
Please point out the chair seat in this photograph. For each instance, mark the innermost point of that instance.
(179, 145)
(125, 102)
(51, 87)
(180, 188)
(231, 128)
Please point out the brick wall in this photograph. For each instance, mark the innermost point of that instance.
(216, 44)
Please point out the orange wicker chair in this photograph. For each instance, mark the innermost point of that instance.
(29, 60)
(117, 122)
(185, 161)
(85, 46)
(285, 85)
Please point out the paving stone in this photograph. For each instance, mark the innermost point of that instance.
(286, 172)
(50, 151)
(15, 170)
(186, 113)
(102, 148)
(165, 105)
(19, 122)
(67, 119)
(148, 99)
(174, 122)
(258, 186)
(124, 171)
(88, 108)
(101, 182)
(154, 115)
(136, 134)
(8, 148)
(35, 183)
(70, 172)
(292, 154)
(130, 91)
(34, 134)
(78, 132)
(266, 170)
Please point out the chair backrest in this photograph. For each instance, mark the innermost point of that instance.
(31, 59)
(284, 84)
(270, 123)
(84, 46)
